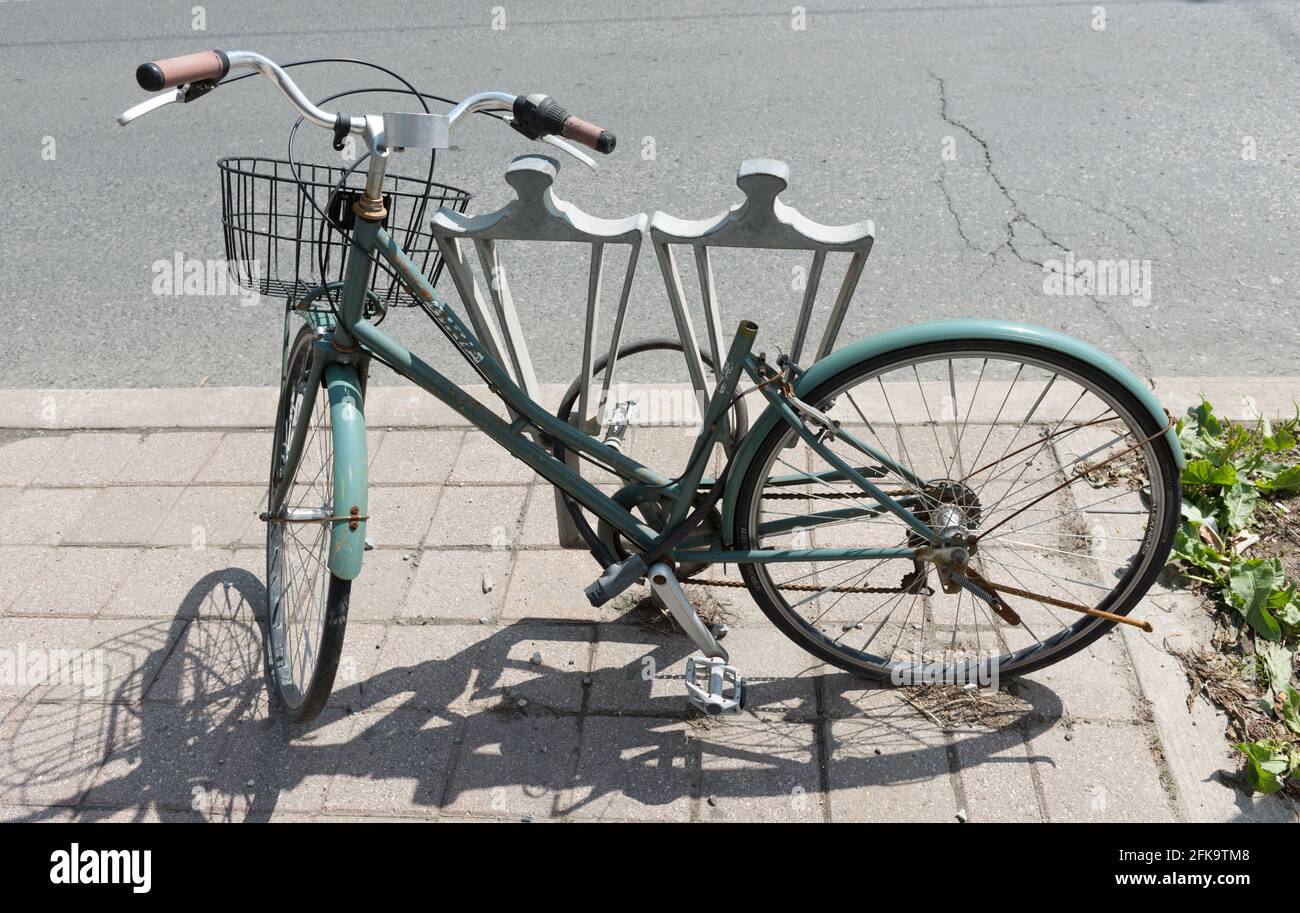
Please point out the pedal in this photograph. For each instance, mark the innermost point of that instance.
(714, 686)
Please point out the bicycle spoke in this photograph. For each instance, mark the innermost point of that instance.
(906, 461)
(300, 580)
(1035, 512)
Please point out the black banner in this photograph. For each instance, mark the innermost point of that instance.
(333, 861)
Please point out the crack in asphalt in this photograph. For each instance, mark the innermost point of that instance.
(952, 211)
(1165, 263)
(1102, 211)
(1020, 217)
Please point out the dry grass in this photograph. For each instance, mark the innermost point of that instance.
(644, 611)
(954, 706)
(1221, 674)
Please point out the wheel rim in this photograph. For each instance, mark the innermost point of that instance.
(943, 415)
(298, 577)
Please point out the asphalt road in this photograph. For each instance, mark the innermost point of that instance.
(1129, 142)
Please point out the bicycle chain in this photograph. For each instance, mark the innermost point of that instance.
(807, 587)
(798, 587)
(850, 495)
(968, 585)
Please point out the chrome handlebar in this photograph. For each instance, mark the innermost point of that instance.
(248, 60)
(385, 132)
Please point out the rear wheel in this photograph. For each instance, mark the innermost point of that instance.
(306, 604)
(1052, 467)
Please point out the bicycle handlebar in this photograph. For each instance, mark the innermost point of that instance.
(588, 134)
(172, 71)
(535, 116)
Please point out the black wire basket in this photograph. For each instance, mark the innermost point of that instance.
(279, 244)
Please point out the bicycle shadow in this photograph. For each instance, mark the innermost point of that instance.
(485, 727)
(61, 745)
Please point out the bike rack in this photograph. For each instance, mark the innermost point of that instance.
(761, 221)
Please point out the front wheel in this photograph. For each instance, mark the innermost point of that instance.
(1051, 467)
(307, 605)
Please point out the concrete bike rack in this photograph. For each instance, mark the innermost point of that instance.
(536, 215)
(760, 221)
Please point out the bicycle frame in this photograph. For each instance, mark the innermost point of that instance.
(354, 338)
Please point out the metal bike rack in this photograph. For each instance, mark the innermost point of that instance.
(761, 221)
(537, 215)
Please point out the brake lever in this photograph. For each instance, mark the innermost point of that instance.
(183, 94)
(150, 104)
(573, 151)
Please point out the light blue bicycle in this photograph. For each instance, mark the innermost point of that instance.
(932, 503)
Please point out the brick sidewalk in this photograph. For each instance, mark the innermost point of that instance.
(476, 681)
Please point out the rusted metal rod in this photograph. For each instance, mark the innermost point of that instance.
(1059, 603)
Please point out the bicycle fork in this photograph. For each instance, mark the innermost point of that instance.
(337, 375)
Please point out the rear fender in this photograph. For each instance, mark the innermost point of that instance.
(940, 331)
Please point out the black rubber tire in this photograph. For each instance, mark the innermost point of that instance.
(303, 707)
(1156, 547)
(327, 661)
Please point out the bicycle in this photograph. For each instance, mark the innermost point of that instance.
(879, 536)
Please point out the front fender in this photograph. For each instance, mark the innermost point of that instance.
(939, 331)
(348, 420)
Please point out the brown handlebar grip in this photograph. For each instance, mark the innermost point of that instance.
(589, 135)
(163, 74)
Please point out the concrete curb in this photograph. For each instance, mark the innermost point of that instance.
(1198, 757)
(404, 406)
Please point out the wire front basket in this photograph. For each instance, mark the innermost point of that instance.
(278, 243)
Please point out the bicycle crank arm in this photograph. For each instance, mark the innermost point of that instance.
(997, 589)
(664, 584)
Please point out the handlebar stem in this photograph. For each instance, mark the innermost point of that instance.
(370, 127)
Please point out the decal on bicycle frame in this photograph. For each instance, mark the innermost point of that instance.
(450, 325)
(442, 314)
